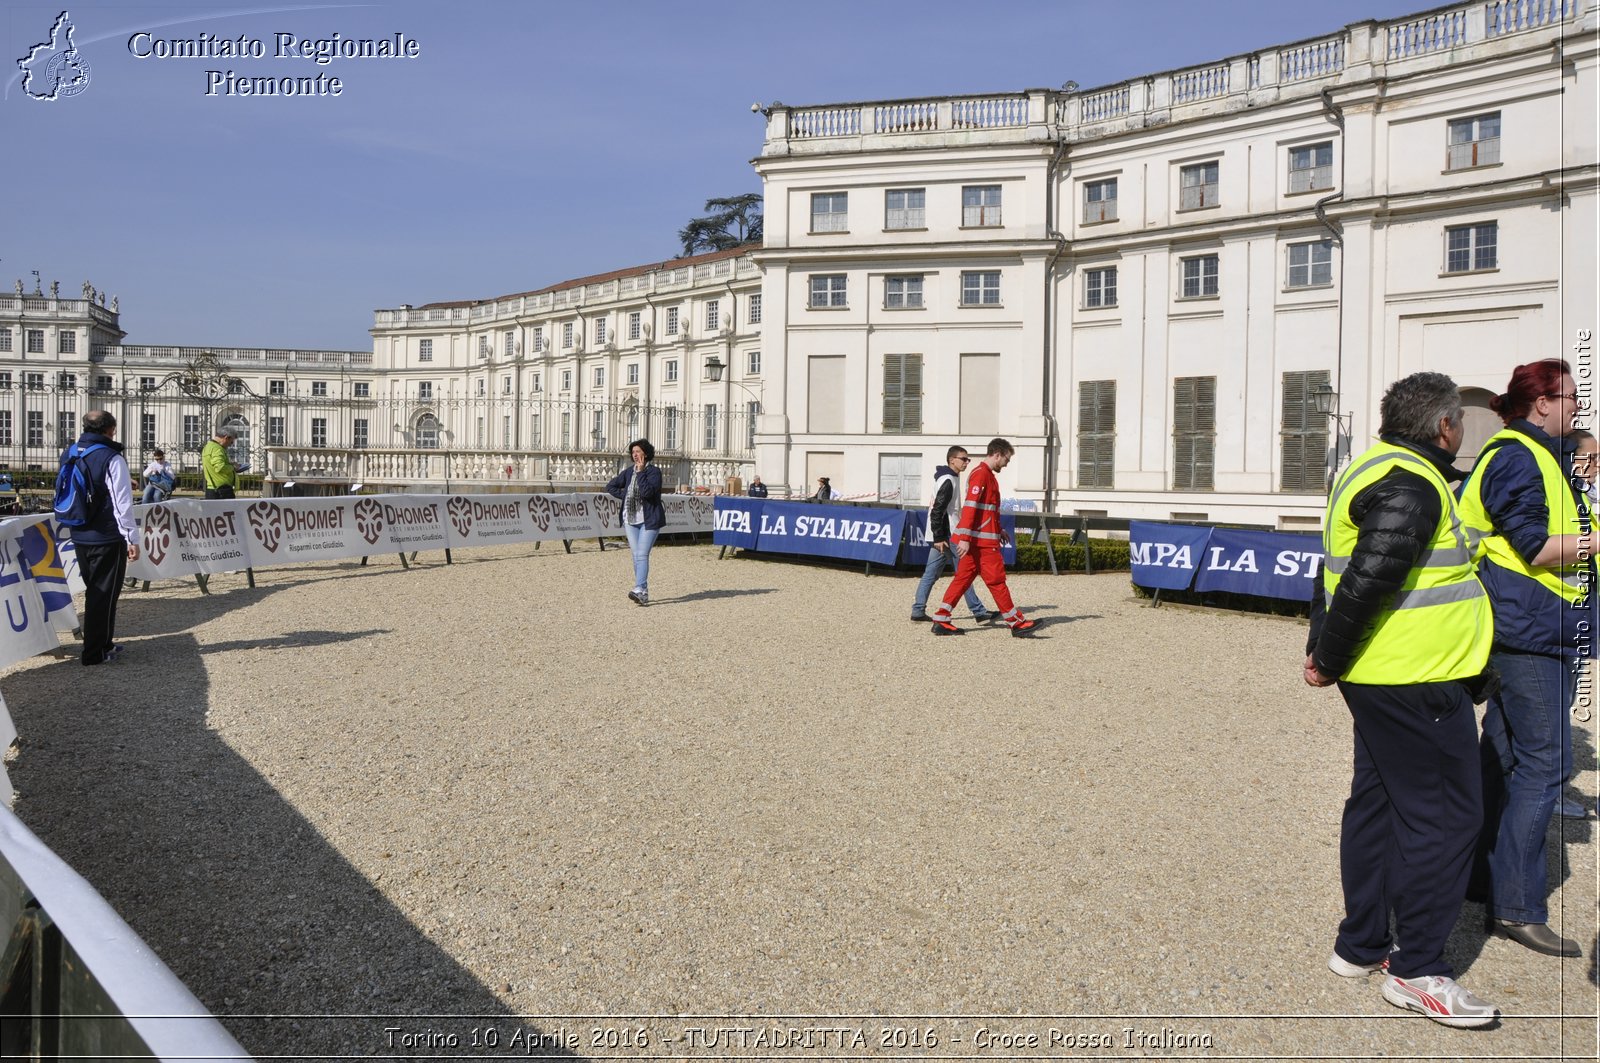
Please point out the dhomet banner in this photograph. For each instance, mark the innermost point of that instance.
(183, 537)
(852, 532)
(1267, 564)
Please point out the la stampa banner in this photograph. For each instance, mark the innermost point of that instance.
(1268, 564)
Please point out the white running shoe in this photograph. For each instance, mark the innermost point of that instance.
(1345, 969)
(1440, 999)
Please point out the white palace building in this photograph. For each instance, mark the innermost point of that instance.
(1180, 297)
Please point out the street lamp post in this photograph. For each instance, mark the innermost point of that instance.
(1326, 401)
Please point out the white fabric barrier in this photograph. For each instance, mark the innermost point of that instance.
(181, 538)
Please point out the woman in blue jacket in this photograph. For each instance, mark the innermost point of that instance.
(638, 487)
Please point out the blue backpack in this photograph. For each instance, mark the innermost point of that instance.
(75, 495)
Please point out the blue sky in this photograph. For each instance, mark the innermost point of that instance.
(528, 143)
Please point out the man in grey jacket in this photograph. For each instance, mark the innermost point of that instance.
(944, 509)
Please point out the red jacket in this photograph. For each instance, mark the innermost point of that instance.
(980, 510)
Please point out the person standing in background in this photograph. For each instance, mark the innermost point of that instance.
(217, 471)
(108, 539)
(638, 487)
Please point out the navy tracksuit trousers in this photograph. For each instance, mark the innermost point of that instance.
(1411, 823)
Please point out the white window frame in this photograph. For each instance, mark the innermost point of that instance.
(566, 380)
(600, 332)
(830, 212)
(753, 362)
(319, 431)
(909, 212)
(66, 342)
(599, 377)
(1468, 145)
(424, 391)
(1098, 205)
(566, 334)
(360, 433)
(363, 389)
(1306, 173)
(828, 291)
(1482, 239)
(1195, 192)
(669, 371)
(425, 350)
(980, 206)
(903, 292)
(755, 308)
(1098, 294)
(276, 388)
(980, 287)
(633, 374)
(635, 324)
(1192, 268)
(1309, 264)
(713, 315)
(672, 321)
(710, 435)
(35, 340)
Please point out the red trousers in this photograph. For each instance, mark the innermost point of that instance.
(987, 562)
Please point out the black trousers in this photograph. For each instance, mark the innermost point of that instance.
(103, 566)
(225, 491)
(1411, 823)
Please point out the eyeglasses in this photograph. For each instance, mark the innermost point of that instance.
(1570, 396)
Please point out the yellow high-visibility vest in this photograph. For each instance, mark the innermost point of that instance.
(1438, 625)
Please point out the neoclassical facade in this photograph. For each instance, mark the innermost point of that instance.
(1146, 286)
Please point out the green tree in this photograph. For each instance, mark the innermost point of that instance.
(729, 222)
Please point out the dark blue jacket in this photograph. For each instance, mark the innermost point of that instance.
(102, 526)
(649, 494)
(1513, 494)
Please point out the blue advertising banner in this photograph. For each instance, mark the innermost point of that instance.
(738, 522)
(1271, 564)
(830, 531)
(1165, 556)
(915, 551)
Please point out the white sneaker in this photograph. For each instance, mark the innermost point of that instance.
(1440, 999)
(1345, 969)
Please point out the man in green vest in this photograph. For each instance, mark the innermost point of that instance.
(217, 470)
(1404, 627)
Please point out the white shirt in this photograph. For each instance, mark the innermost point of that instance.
(120, 483)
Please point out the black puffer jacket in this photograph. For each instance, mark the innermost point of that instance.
(1396, 518)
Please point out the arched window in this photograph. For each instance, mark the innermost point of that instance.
(428, 432)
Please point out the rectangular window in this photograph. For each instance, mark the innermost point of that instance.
(1100, 201)
(829, 212)
(538, 339)
(633, 374)
(1100, 287)
(483, 437)
(827, 290)
(103, 383)
(902, 393)
(505, 430)
(147, 430)
(713, 315)
(1311, 167)
(36, 341)
(903, 208)
(359, 433)
(35, 381)
(537, 438)
(672, 428)
(599, 377)
(192, 439)
(66, 343)
(511, 343)
(36, 429)
(1473, 142)
(483, 346)
(424, 350)
(319, 431)
(1197, 186)
(147, 383)
(5, 339)
(671, 370)
(566, 429)
(712, 414)
(425, 391)
(5, 428)
(903, 293)
(67, 381)
(538, 383)
(1311, 264)
(1471, 247)
(635, 325)
(66, 428)
(363, 390)
(275, 431)
(980, 288)
(1303, 438)
(235, 386)
(1097, 433)
(755, 309)
(276, 387)
(1200, 276)
(5, 381)
(672, 321)
(980, 206)
(319, 389)
(505, 385)
(752, 410)
(566, 380)
(1194, 432)
(752, 363)
(600, 332)
(482, 387)
(566, 334)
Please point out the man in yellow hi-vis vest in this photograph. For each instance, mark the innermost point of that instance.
(1404, 627)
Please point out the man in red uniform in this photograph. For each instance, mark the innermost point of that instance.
(977, 540)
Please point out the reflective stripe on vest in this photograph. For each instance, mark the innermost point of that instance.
(1437, 626)
(1565, 582)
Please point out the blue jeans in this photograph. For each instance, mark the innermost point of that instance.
(640, 540)
(151, 494)
(938, 560)
(1526, 755)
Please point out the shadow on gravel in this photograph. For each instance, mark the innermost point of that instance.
(232, 887)
(706, 596)
(293, 640)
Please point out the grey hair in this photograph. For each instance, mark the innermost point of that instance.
(1414, 405)
(99, 421)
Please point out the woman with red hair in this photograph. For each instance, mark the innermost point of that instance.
(1533, 531)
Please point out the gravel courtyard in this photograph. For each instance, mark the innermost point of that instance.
(497, 795)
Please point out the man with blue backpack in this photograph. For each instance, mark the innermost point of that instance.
(94, 503)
